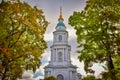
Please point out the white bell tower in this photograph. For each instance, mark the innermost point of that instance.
(60, 64)
(60, 50)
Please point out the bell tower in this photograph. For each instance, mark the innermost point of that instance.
(60, 64)
(60, 50)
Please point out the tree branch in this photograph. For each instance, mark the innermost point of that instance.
(17, 38)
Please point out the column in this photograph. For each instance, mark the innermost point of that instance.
(63, 38)
(68, 54)
(49, 73)
(71, 76)
(56, 55)
(51, 55)
(46, 73)
(64, 54)
(54, 59)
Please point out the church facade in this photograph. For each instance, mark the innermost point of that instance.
(60, 64)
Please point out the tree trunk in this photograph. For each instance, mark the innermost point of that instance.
(111, 67)
(4, 74)
(110, 62)
(5, 69)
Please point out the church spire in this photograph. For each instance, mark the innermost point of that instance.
(60, 17)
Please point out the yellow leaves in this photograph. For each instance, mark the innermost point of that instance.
(21, 37)
(15, 7)
(5, 50)
(33, 26)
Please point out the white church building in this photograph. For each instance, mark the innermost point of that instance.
(60, 64)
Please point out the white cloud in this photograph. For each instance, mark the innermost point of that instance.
(98, 69)
(46, 55)
(41, 69)
(27, 75)
(79, 64)
(48, 37)
(71, 32)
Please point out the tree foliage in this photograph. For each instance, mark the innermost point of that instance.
(98, 32)
(50, 78)
(22, 29)
(89, 77)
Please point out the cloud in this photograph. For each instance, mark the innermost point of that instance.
(98, 69)
(71, 32)
(27, 75)
(46, 55)
(79, 64)
(48, 37)
(39, 74)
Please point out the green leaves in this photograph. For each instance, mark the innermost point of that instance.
(98, 25)
(89, 78)
(50, 78)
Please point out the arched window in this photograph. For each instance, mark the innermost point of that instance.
(60, 77)
(60, 37)
(60, 56)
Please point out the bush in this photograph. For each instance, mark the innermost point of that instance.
(50, 78)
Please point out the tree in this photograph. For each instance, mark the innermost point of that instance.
(89, 77)
(50, 78)
(22, 29)
(98, 32)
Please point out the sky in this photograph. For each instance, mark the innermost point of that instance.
(51, 9)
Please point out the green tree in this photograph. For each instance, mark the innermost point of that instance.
(98, 32)
(50, 78)
(89, 77)
(22, 29)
